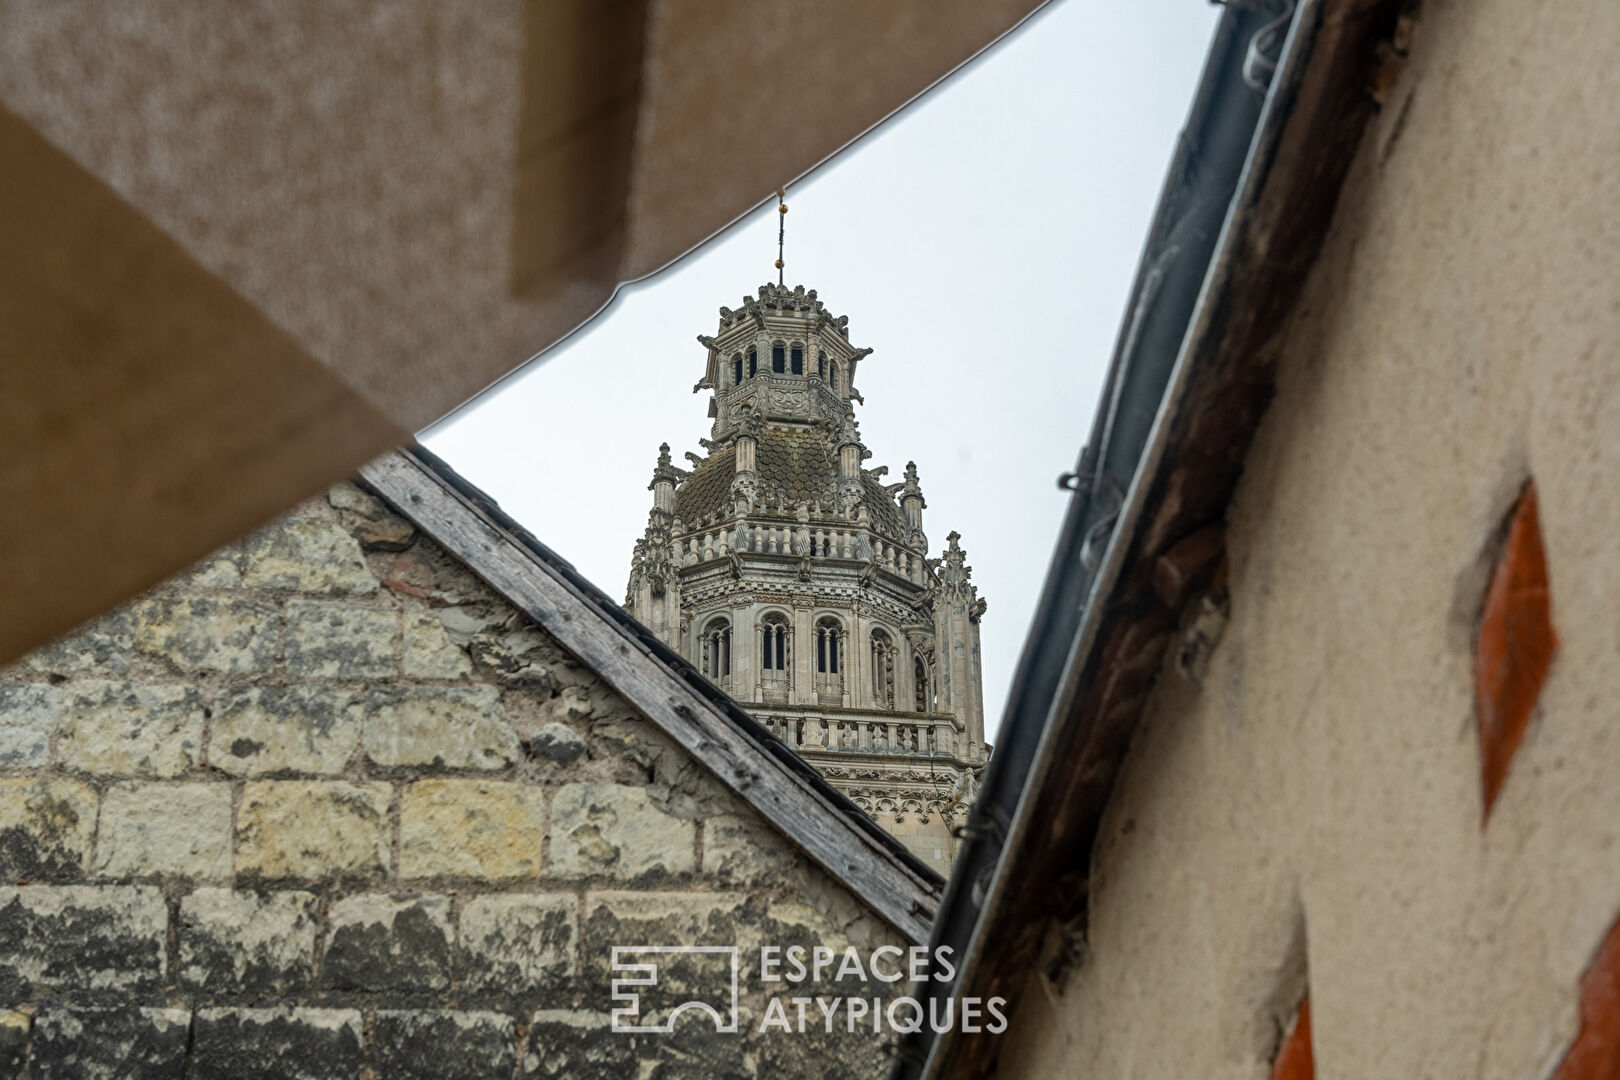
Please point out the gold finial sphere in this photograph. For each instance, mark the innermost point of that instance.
(779, 264)
(782, 209)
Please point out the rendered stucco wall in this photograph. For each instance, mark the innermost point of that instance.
(1312, 811)
(326, 806)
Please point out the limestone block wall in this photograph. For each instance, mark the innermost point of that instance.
(327, 806)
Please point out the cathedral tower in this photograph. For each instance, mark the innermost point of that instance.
(799, 581)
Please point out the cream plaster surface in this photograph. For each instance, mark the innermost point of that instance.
(1317, 800)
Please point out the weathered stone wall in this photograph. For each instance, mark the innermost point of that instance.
(327, 806)
(1312, 815)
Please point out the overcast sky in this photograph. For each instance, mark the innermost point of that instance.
(982, 243)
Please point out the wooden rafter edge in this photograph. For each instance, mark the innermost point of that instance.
(793, 806)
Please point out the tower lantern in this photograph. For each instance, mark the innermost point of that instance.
(801, 584)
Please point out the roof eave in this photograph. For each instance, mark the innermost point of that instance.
(1172, 437)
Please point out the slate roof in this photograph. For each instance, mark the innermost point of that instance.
(708, 488)
(802, 465)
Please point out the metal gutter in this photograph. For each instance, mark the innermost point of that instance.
(1219, 167)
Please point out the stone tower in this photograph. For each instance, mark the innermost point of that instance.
(799, 581)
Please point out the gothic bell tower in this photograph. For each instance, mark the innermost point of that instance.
(799, 581)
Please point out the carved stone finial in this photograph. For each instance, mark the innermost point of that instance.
(910, 488)
(955, 575)
(665, 472)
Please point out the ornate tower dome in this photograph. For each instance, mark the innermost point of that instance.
(799, 581)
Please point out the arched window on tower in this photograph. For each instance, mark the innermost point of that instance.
(753, 363)
(882, 670)
(821, 364)
(796, 357)
(922, 686)
(779, 358)
(736, 370)
(714, 651)
(775, 649)
(829, 659)
(832, 377)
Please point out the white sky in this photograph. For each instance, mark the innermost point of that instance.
(982, 243)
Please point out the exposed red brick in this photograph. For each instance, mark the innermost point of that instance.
(412, 568)
(1294, 1060)
(1516, 644)
(411, 590)
(1595, 1053)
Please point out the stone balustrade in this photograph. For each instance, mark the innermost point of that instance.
(796, 538)
(906, 733)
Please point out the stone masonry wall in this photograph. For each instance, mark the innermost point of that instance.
(327, 806)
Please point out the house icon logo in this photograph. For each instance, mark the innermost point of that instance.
(643, 989)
